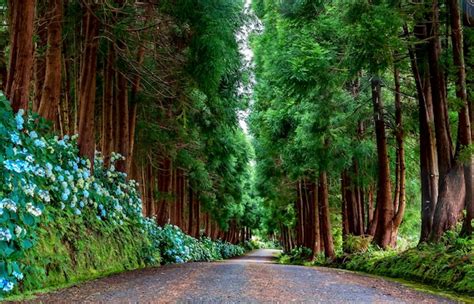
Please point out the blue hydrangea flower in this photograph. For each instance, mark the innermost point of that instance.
(33, 135)
(6, 285)
(5, 234)
(39, 143)
(64, 196)
(19, 119)
(15, 138)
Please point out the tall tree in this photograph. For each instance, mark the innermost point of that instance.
(51, 91)
(21, 52)
(87, 82)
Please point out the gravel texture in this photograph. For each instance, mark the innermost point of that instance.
(249, 279)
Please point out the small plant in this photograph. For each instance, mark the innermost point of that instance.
(297, 256)
(356, 244)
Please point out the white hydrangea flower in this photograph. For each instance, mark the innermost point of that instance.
(31, 209)
(8, 204)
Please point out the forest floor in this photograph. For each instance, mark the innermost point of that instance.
(252, 278)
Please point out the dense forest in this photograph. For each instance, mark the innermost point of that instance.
(369, 104)
(180, 130)
(130, 77)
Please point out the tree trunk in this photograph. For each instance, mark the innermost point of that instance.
(317, 227)
(428, 155)
(108, 107)
(400, 198)
(190, 211)
(384, 205)
(451, 198)
(464, 127)
(21, 53)
(40, 45)
(325, 222)
(133, 105)
(51, 93)
(87, 87)
(122, 121)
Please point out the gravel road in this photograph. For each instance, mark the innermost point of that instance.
(249, 279)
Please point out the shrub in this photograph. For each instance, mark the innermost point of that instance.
(297, 256)
(356, 244)
(177, 247)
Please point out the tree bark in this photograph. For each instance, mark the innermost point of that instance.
(325, 222)
(385, 211)
(39, 58)
(400, 198)
(87, 86)
(122, 121)
(133, 107)
(452, 190)
(108, 108)
(51, 93)
(21, 53)
(464, 127)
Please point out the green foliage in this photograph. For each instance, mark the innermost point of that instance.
(449, 264)
(297, 256)
(257, 243)
(356, 244)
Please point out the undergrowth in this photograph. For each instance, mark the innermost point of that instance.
(448, 264)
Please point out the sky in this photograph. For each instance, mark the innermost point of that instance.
(243, 37)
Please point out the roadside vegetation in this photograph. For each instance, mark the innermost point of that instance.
(61, 224)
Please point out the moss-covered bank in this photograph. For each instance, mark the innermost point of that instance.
(71, 253)
(448, 265)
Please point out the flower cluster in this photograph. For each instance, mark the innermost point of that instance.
(177, 247)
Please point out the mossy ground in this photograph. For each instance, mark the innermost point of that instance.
(453, 270)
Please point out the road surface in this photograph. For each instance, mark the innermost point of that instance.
(249, 279)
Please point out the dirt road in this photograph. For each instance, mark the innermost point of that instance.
(249, 279)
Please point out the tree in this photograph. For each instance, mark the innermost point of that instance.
(21, 17)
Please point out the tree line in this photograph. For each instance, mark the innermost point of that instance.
(157, 82)
(363, 111)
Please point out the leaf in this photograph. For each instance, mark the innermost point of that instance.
(28, 219)
(5, 249)
(26, 244)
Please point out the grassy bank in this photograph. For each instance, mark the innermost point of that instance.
(448, 265)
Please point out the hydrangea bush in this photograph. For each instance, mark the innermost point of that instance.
(178, 247)
(42, 176)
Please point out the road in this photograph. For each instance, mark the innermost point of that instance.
(253, 278)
